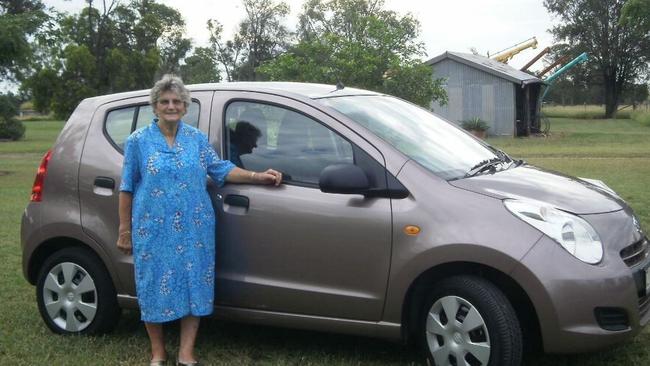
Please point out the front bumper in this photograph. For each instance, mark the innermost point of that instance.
(577, 303)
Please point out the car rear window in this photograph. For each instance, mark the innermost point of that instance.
(120, 123)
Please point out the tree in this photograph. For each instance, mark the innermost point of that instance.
(619, 51)
(358, 43)
(19, 19)
(200, 67)
(116, 48)
(636, 11)
(261, 37)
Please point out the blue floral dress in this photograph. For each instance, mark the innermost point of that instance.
(173, 222)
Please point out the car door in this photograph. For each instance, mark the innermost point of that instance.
(294, 248)
(101, 170)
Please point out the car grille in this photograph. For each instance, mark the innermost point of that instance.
(614, 319)
(635, 253)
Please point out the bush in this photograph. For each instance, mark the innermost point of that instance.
(11, 129)
(642, 117)
(475, 124)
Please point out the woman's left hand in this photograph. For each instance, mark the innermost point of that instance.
(270, 176)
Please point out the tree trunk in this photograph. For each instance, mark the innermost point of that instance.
(611, 93)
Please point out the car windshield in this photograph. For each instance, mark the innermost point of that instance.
(436, 144)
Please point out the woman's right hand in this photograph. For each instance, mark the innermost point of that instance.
(124, 242)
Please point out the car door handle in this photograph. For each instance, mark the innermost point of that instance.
(105, 182)
(237, 201)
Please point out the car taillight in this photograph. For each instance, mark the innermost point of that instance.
(37, 188)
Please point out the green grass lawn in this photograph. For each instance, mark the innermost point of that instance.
(582, 111)
(617, 152)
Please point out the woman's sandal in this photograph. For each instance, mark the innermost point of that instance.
(195, 363)
(158, 363)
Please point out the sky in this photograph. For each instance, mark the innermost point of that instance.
(447, 25)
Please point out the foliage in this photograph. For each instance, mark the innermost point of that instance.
(583, 89)
(619, 51)
(414, 82)
(122, 46)
(475, 124)
(10, 127)
(261, 37)
(635, 94)
(642, 117)
(360, 44)
(19, 19)
(200, 67)
(637, 11)
(42, 86)
(9, 105)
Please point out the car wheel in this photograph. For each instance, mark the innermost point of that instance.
(75, 294)
(468, 321)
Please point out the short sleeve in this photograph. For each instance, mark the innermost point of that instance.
(130, 167)
(217, 169)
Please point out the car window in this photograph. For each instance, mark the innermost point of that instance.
(261, 136)
(120, 122)
(434, 143)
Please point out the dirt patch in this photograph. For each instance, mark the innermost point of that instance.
(4, 172)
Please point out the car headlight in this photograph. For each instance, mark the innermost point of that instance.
(570, 231)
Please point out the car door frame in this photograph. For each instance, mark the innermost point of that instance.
(222, 99)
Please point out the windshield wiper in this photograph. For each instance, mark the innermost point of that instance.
(489, 164)
(501, 154)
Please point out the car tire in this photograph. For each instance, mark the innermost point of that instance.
(483, 330)
(75, 294)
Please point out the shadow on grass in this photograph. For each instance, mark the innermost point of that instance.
(229, 343)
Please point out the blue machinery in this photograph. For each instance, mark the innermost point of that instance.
(549, 80)
(541, 123)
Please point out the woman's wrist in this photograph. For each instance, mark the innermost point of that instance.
(253, 174)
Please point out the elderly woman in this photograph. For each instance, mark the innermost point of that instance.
(167, 220)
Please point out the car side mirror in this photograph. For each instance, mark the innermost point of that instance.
(344, 179)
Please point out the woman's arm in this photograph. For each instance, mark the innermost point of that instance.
(270, 176)
(124, 232)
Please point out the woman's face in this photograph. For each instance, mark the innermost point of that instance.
(169, 108)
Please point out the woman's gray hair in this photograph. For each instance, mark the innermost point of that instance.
(170, 83)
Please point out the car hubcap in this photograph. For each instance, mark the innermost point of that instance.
(456, 333)
(70, 296)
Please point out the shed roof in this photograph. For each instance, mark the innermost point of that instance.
(488, 65)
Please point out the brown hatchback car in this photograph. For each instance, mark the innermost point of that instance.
(391, 223)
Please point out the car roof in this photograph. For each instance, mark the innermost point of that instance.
(290, 89)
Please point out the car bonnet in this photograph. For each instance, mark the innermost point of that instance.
(560, 191)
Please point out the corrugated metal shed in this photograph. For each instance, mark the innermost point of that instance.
(480, 87)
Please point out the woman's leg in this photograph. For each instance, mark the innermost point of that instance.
(189, 328)
(157, 338)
